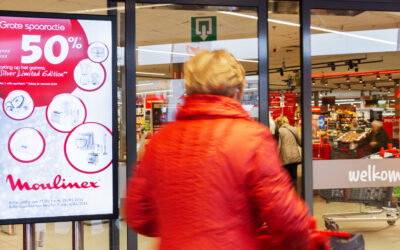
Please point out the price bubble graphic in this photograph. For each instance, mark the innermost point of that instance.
(74, 41)
(41, 62)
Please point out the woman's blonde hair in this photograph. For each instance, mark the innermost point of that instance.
(216, 73)
(281, 121)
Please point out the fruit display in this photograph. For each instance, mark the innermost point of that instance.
(346, 113)
(322, 133)
(352, 136)
(334, 133)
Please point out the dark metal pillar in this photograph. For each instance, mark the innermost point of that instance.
(77, 235)
(130, 68)
(113, 229)
(263, 62)
(29, 237)
(306, 93)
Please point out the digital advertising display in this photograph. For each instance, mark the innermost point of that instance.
(58, 131)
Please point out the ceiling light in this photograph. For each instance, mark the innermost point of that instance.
(251, 89)
(120, 8)
(332, 65)
(353, 35)
(374, 85)
(397, 83)
(155, 91)
(313, 81)
(388, 90)
(378, 77)
(350, 63)
(150, 73)
(364, 85)
(361, 81)
(312, 27)
(349, 88)
(390, 77)
(347, 79)
(326, 83)
(152, 5)
(184, 54)
(144, 84)
(239, 14)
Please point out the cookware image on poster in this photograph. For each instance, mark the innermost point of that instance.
(65, 112)
(26, 145)
(89, 75)
(97, 52)
(88, 148)
(18, 105)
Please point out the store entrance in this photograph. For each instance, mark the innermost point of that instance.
(167, 35)
(355, 122)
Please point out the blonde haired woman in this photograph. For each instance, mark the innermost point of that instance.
(211, 179)
(289, 143)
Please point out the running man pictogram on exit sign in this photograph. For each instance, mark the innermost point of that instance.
(204, 28)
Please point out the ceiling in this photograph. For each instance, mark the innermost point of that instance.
(60, 6)
(171, 24)
(155, 26)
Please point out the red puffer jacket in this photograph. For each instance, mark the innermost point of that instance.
(211, 179)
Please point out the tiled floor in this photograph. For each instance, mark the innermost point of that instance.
(58, 236)
(377, 234)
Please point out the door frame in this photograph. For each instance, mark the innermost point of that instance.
(306, 92)
(130, 67)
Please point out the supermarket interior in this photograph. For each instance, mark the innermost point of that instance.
(355, 81)
(354, 91)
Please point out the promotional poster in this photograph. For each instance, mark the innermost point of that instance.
(56, 117)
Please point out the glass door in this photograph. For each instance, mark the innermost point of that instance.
(167, 35)
(355, 70)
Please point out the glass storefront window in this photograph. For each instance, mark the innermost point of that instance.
(284, 74)
(355, 122)
(166, 37)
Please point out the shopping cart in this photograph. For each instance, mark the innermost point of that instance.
(380, 197)
(319, 240)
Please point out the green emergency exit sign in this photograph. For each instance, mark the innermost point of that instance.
(204, 28)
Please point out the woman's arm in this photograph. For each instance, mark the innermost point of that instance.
(140, 208)
(275, 199)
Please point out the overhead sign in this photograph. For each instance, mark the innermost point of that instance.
(315, 109)
(204, 28)
(357, 173)
(57, 122)
(321, 122)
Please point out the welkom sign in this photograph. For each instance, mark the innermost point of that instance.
(356, 173)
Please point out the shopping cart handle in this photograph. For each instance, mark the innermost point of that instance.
(334, 234)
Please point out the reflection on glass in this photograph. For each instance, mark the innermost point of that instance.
(95, 232)
(163, 47)
(11, 237)
(167, 35)
(355, 122)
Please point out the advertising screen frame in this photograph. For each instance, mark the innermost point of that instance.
(115, 135)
